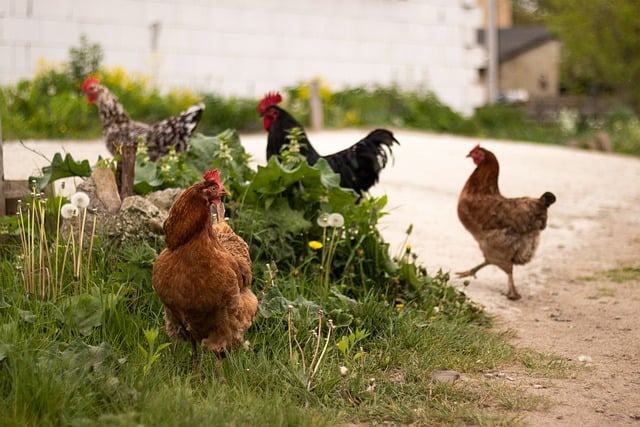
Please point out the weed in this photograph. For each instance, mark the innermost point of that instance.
(152, 353)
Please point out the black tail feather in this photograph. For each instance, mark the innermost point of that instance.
(548, 198)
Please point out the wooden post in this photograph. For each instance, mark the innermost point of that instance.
(3, 200)
(315, 105)
(128, 170)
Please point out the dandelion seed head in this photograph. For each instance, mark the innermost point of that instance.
(323, 220)
(68, 211)
(80, 199)
(335, 220)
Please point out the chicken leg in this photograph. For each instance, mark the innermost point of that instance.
(512, 293)
(473, 271)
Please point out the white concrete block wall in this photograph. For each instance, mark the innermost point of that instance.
(247, 47)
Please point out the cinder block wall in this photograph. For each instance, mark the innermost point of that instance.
(247, 47)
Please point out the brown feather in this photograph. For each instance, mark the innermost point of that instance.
(202, 279)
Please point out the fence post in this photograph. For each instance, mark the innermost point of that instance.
(315, 105)
(3, 200)
(128, 170)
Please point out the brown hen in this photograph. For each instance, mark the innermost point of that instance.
(506, 229)
(203, 277)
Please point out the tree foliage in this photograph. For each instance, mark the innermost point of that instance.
(601, 43)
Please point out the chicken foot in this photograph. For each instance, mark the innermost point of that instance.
(473, 271)
(512, 294)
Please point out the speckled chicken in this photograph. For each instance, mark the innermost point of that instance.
(506, 229)
(203, 277)
(118, 128)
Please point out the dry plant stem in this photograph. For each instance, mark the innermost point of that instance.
(289, 334)
(93, 232)
(57, 283)
(312, 367)
(78, 272)
(315, 350)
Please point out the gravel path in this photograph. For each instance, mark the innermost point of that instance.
(569, 307)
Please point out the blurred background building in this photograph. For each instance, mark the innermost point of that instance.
(247, 47)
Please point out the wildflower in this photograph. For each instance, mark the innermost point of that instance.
(399, 306)
(296, 272)
(335, 220)
(80, 200)
(315, 245)
(68, 211)
(408, 248)
(343, 371)
(323, 220)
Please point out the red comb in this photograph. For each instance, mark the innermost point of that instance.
(92, 80)
(212, 175)
(271, 98)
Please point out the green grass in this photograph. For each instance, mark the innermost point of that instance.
(616, 275)
(98, 353)
(54, 371)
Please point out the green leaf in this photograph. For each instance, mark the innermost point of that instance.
(83, 312)
(147, 178)
(61, 168)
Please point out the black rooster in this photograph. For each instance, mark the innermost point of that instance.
(359, 166)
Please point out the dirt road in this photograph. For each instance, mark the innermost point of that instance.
(570, 306)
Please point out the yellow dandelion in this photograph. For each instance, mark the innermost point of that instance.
(315, 245)
(399, 306)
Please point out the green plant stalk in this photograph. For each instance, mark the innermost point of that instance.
(23, 246)
(326, 264)
(73, 248)
(354, 251)
(64, 258)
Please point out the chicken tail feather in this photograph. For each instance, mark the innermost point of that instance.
(548, 198)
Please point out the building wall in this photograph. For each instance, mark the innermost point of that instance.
(247, 47)
(536, 71)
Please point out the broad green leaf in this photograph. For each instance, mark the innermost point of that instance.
(61, 168)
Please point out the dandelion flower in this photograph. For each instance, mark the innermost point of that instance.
(68, 211)
(335, 220)
(323, 220)
(408, 248)
(315, 245)
(80, 200)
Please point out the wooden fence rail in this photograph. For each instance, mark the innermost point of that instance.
(10, 191)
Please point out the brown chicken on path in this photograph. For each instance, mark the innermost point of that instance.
(203, 276)
(506, 229)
